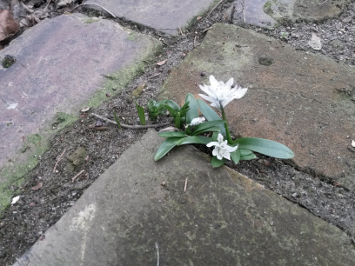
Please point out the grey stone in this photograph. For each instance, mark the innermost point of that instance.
(166, 16)
(301, 100)
(57, 71)
(224, 218)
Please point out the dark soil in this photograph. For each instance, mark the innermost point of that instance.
(40, 207)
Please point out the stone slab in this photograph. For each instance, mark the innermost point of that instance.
(302, 100)
(267, 13)
(308, 10)
(224, 218)
(166, 16)
(58, 70)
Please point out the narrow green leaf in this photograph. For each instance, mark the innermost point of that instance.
(266, 147)
(172, 105)
(217, 163)
(118, 122)
(141, 114)
(170, 134)
(194, 140)
(165, 147)
(235, 156)
(193, 111)
(177, 120)
(248, 157)
(207, 126)
(244, 152)
(210, 114)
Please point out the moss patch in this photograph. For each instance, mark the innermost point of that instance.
(14, 174)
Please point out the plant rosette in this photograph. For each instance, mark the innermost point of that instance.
(219, 94)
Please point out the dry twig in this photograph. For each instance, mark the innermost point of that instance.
(58, 160)
(131, 127)
(88, 4)
(157, 247)
(185, 185)
(209, 13)
(72, 180)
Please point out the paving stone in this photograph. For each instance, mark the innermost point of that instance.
(301, 100)
(266, 14)
(166, 16)
(58, 69)
(224, 218)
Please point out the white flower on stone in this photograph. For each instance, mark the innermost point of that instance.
(15, 199)
(220, 93)
(196, 121)
(221, 150)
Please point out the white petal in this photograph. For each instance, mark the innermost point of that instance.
(15, 199)
(220, 138)
(240, 93)
(230, 82)
(353, 143)
(214, 82)
(225, 154)
(231, 149)
(213, 143)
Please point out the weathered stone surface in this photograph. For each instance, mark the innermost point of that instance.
(224, 218)
(301, 100)
(310, 10)
(266, 13)
(58, 70)
(166, 16)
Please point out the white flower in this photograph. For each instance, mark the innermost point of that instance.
(196, 121)
(15, 199)
(220, 93)
(221, 150)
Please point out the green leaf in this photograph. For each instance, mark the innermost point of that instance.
(141, 114)
(244, 152)
(235, 156)
(172, 105)
(194, 140)
(266, 147)
(118, 122)
(177, 120)
(193, 111)
(170, 134)
(184, 109)
(165, 147)
(210, 114)
(207, 126)
(217, 163)
(248, 157)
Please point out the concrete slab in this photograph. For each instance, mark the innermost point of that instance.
(58, 69)
(304, 101)
(266, 13)
(166, 16)
(224, 218)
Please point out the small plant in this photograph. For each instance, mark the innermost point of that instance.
(156, 108)
(141, 114)
(219, 94)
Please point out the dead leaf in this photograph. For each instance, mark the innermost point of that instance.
(38, 186)
(162, 62)
(198, 18)
(8, 25)
(315, 42)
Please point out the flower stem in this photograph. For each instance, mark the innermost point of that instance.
(229, 138)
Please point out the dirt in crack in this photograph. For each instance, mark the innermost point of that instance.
(51, 189)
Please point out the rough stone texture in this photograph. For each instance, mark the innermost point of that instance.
(59, 66)
(166, 16)
(310, 10)
(300, 100)
(224, 218)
